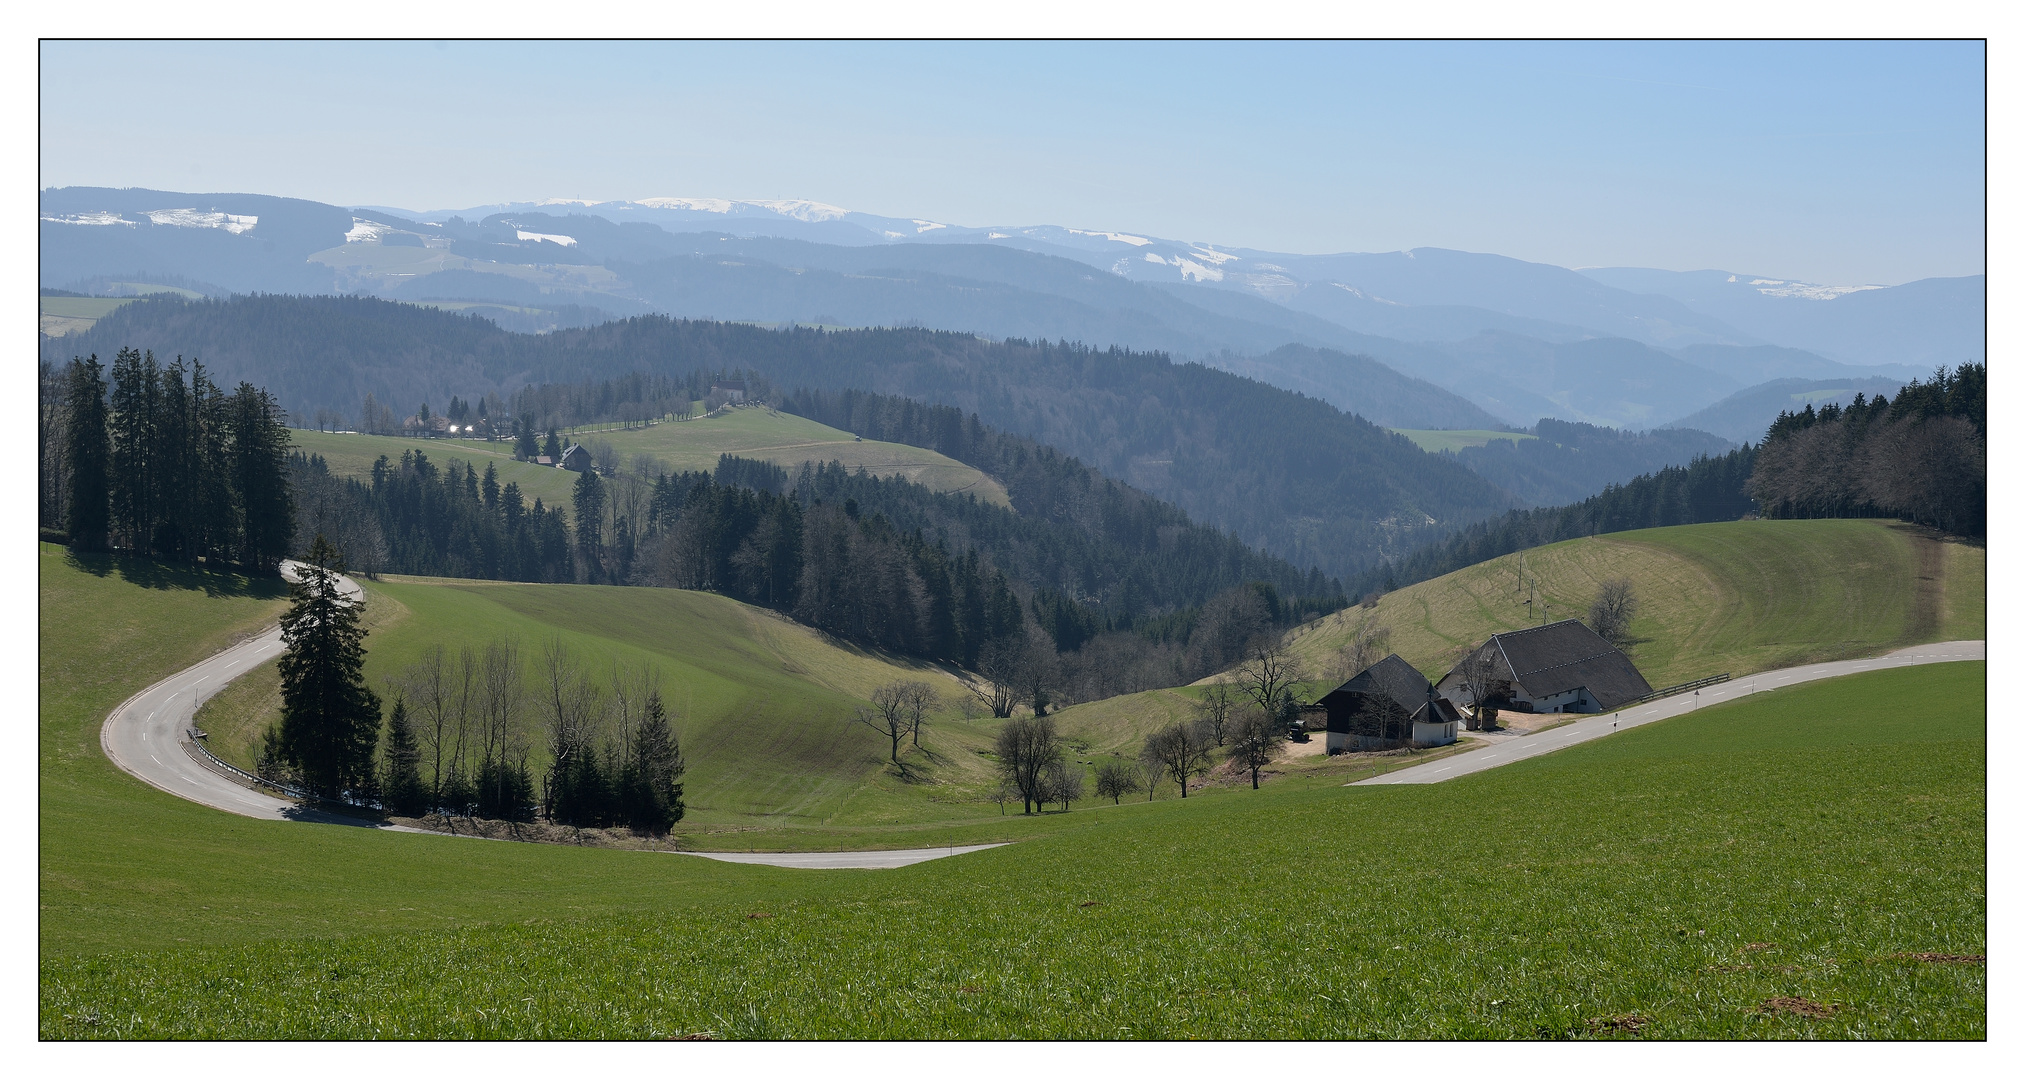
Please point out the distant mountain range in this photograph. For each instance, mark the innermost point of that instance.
(1459, 339)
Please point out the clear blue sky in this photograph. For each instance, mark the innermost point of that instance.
(1833, 162)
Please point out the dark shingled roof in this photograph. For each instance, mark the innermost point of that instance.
(1393, 677)
(1557, 657)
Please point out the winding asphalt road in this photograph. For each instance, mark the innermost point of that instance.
(1519, 748)
(149, 736)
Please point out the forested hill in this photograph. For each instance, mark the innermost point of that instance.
(1284, 472)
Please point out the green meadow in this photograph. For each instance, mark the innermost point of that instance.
(1436, 440)
(1735, 596)
(349, 454)
(689, 445)
(1819, 849)
(788, 441)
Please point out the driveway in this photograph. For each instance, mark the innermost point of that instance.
(1504, 751)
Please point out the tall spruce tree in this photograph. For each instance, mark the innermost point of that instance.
(330, 719)
(402, 790)
(136, 407)
(652, 777)
(259, 466)
(588, 498)
(215, 517)
(88, 504)
(175, 433)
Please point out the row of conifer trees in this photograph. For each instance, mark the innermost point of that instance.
(163, 462)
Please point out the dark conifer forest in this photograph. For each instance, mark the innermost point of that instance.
(1289, 474)
(1918, 456)
(164, 463)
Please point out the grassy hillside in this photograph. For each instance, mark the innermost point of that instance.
(762, 703)
(691, 445)
(1736, 596)
(1435, 440)
(353, 455)
(1705, 877)
(62, 315)
(787, 441)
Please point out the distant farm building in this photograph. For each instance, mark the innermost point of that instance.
(1559, 667)
(575, 459)
(1385, 706)
(733, 390)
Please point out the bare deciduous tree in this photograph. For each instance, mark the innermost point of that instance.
(1116, 778)
(574, 710)
(998, 669)
(1027, 748)
(1256, 739)
(1611, 613)
(1062, 782)
(1151, 769)
(1213, 710)
(895, 709)
(921, 700)
(1183, 750)
(1482, 684)
(1268, 673)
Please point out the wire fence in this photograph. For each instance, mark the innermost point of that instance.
(1681, 689)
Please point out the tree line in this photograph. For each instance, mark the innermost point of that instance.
(1706, 489)
(455, 740)
(1286, 473)
(163, 462)
(1918, 456)
(1240, 721)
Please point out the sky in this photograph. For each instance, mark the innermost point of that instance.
(1838, 163)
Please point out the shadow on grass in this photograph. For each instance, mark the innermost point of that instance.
(155, 574)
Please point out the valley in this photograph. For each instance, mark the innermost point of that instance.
(577, 945)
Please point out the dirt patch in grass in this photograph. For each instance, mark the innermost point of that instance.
(1621, 1024)
(1798, 1006)
(1940, 958)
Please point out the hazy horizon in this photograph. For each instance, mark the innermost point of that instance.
(1834, 162)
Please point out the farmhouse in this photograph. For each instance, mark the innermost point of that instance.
(1387, 705)
(575, 459)
(733, 390)
(1559, 667)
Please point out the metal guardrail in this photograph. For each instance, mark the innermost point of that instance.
(197, 738)
(1681, 689)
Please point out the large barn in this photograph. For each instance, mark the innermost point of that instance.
(1387, 705)
(1559, 667)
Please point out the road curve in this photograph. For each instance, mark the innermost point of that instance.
(1597, 725)
(149, 736)
(840, 860)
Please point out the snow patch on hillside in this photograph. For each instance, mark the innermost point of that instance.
(1800, 290)
(101, 217)
(553, 238)
(707, 206)
(921, 226)
(366, 232)
(798, 209)
(1122, 238)
(1189, 267)
(192, 218)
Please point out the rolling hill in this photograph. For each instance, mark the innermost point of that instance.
(1283, 472)
(1737, 597)
(686, 446)
(160, 919)
(762, 704)
(1453, 331)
